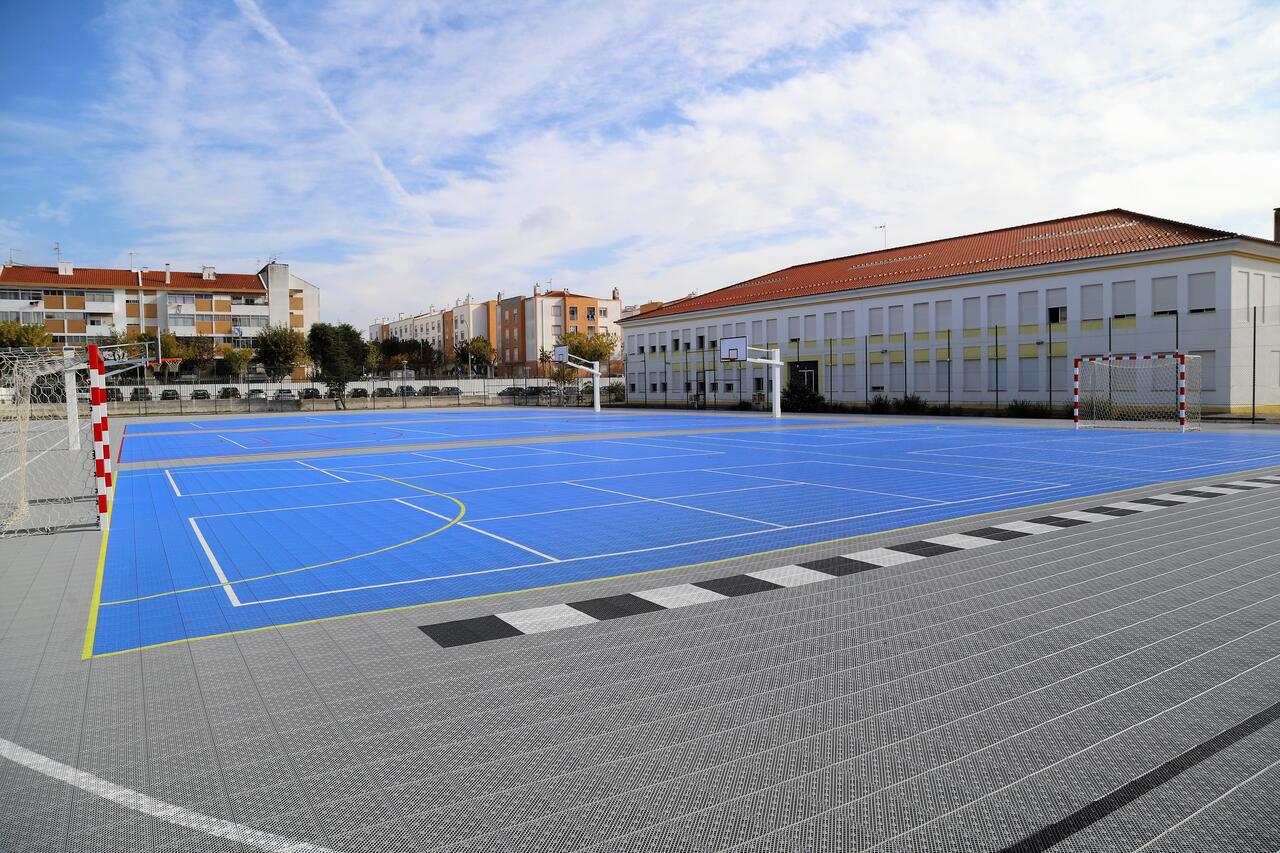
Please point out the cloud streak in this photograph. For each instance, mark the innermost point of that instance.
(402, 153)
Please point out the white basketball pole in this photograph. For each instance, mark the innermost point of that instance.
(775, 376)
(595, 386)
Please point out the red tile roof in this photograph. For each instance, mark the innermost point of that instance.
(1091, 235)
(92, 278)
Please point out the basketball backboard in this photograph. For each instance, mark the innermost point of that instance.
(733, 349)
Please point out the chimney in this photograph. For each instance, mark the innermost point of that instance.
(66, 268)
(1275, 228)
(616, 297)
(167, 278)
(537, 289)
(207, 273)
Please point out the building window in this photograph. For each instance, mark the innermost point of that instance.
(604, 312)
(557, 311)
(972, 374)
(1124, 299)
(1057, 313)
(1200, 296)
(591, 313)
(1164, 295)
(573, 312)
(702, 342)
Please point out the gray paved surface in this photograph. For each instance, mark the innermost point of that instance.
(963, 704)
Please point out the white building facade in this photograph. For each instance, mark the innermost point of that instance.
(886, 324)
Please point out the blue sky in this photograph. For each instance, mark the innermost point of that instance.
(401, 153)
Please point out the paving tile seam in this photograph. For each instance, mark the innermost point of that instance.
(553, 617)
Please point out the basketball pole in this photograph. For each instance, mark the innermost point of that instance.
(775, 375)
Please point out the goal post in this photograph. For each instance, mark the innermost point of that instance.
(54, 463)
(1153, 391)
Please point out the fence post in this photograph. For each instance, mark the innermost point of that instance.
(1253, 399)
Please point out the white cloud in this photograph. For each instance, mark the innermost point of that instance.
(402, 154)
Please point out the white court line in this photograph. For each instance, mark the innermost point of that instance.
(169, 474)
(515, 544)
(356, 468)
(941, 454)
(568, 453)
(29, 461)
(1272, 766)
(645, 550)
(223, 436)
(217, 568)
(626, 503)
(784, 480)
(452, 461)
(193, 423)
(322, 471)
(680, 506)
(139, 802)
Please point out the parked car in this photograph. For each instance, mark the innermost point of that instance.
(282, 394)
(310, 394)
(406, 391)
(451, 391)
(136, 394)
(257, 394)
(430, 391)
(230, 392)
(511, 391)
(384, 391)
(200, 394)
(114, 395)
(169, 394)
(359, 392)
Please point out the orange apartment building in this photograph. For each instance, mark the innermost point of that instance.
(82, 305)
(519, 327)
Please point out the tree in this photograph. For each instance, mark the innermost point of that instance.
(171, 347)
(200, 354)
(590, 347)
(544, 361)
(338, 353)
(15, 334)
(279, 350)
(479, 354)
(234, 361)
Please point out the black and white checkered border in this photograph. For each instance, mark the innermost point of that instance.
(537, 620)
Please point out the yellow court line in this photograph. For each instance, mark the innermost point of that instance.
(462, 511)
(668, 569)
(95, 598)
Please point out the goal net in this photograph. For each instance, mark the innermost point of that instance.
(48, 473)
(1141, 392)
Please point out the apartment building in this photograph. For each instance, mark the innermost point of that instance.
(986, 317)
(442, 328)
(79, 305)
(530, 325)
(519, 327)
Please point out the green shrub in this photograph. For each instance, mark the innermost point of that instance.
(881, 405)
(799, 397)
(910, 405)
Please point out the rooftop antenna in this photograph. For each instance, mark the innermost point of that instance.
(131, 266)
(884, 229)
(57, 250)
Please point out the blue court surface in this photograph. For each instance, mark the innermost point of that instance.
(199, 551)
(340, 430)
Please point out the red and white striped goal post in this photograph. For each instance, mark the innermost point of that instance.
(101, 433)
(1180, 357)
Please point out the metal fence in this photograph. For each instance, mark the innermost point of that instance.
(987, 369)
(130, 397)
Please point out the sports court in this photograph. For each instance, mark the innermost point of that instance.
(561, 631)
(204, 550)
